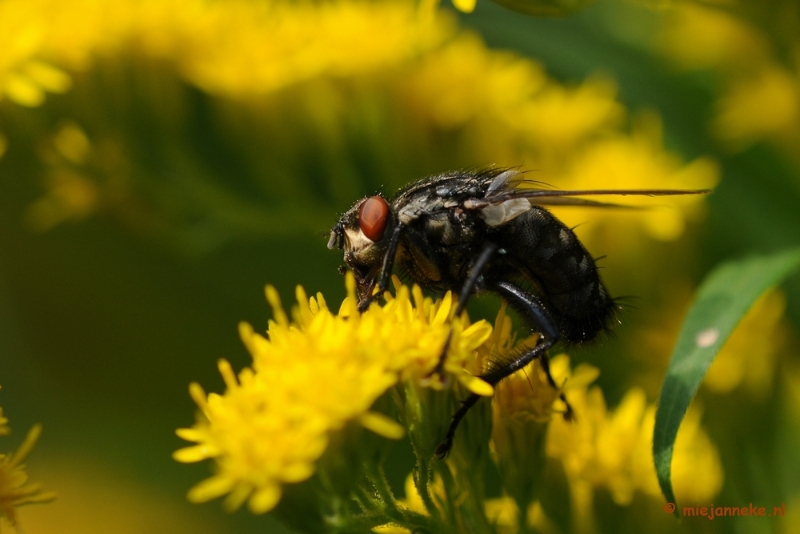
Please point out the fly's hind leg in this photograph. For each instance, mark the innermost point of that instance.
(544, 360)
(536, 315)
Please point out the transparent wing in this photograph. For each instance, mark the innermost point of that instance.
(582, 202)
(561, 197)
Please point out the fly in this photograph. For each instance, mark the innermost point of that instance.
(470, 231)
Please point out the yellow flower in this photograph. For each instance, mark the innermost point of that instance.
(71, 194)
(15, 490)
(760, 89)
(763, 105)
(613, 449)
(311, 377)
(697, 473)
(465, 6)
(697, 36)
(750, 355)
(99, 497)
(504, 513)
(636, 162)
(234, 48)
(523, 407)
(528, 396)
(747, 360)
(509, 101)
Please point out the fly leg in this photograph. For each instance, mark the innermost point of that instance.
(544, 360)
(536, 315)
(475, 272)
(386, 269)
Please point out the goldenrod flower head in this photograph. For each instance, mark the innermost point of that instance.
(465, 6)
(71, 191)
(312, 376)
(747, 360)
(697, 36)
(15, 490)
(234, 48)
(524, 404)
(613, 449)
(561, 116)
(523, 407)
(503, 512)
(638, 162)
(765, 104)
(528, 396)
(760, 89)
(750, 355)
(464, 83)
(697, 473)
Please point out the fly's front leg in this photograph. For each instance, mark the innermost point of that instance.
(476, 270)
(536, 315)
(386, 269)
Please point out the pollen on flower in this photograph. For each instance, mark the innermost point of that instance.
(312, 375)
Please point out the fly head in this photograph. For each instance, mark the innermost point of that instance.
(363, 233)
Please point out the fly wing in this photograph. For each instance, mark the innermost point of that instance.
(506, 200)
(584, 202)
(542, 196)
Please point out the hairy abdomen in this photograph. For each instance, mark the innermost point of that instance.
(549, 253)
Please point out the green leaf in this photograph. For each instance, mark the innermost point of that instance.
(721, 302)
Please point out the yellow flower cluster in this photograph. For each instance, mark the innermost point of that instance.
(748, 359)
(231, 48)
(761, 94)
(319, 372)
(504, 107)
(15, 489)
(575, 138)
(750, 356)
(71, 194)
(310, 378)
(621, 162)
(613, 449)
(599, 448)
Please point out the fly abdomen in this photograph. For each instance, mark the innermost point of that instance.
(548, 252)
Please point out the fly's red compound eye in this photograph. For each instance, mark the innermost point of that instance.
(372, 216)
